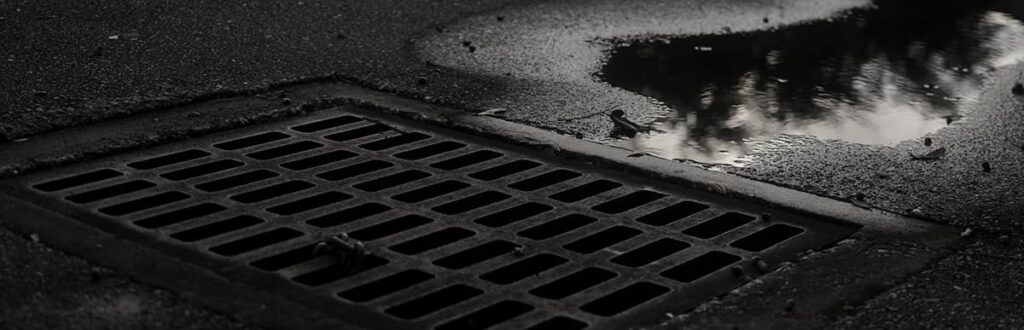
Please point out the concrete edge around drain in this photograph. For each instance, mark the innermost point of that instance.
(193, 283)
(651, 167)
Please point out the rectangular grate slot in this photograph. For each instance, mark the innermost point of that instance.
(488, 316)
(768, 237)
(651, 252)
(700, 266)
(203, 169)
(348, 215)
(624, 299)
(431, 191)
(319, 160)
(392, 181)
(180, 215)
(628, 202)
(390, 227)
(309, 203)
(672, 213)
(285, 150)
(386, 286)
(110, 191)
(217, 228)
(169, 159)
(513, 214)
(557, 227)
(472, 202)
(504, 170)
(358, 133)
(354, 170)
(603, 239)
(252, 140)
(544, 180)
(320, 125)
(256, 242)
(573, 283)
(524, 268)
(434, 301)
(287, 259)
(477, 254)
(339, 270)
(470, 159)
(273, 191)
(236, 180)
(560, 323)
(585, 191)
(394, 141)
(431, 150)
(432, 241)
(719, 225)
(78, 180)
(145, 203)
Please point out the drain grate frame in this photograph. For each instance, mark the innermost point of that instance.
(365, 202)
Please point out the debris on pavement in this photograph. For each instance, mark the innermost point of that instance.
(623, 125)
(951, 118)
(495, 112)
(933, 155)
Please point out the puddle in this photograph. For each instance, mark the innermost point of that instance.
(896, 71)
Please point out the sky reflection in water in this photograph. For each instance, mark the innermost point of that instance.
(882, 75)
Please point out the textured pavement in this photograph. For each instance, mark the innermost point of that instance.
(72, 63)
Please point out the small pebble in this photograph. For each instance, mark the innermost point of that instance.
(579, 135)
(472, 49)
(286, 101)
(967, 233)
(790, 305)
(986, 167)
(736, 271)
(519, 251)
(34, 237)
(859, 196)
(1018, 89)
(762, 266)
(927, 142)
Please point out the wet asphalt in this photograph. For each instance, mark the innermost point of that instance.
(73, 63)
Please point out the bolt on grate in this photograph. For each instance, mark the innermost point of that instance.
(399, 225)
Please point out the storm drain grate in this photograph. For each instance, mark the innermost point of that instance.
(461, 233)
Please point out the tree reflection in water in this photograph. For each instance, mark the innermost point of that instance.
(896, 71)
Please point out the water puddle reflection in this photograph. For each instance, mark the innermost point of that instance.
(896, 71)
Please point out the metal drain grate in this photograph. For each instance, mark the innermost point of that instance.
(461, 233)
